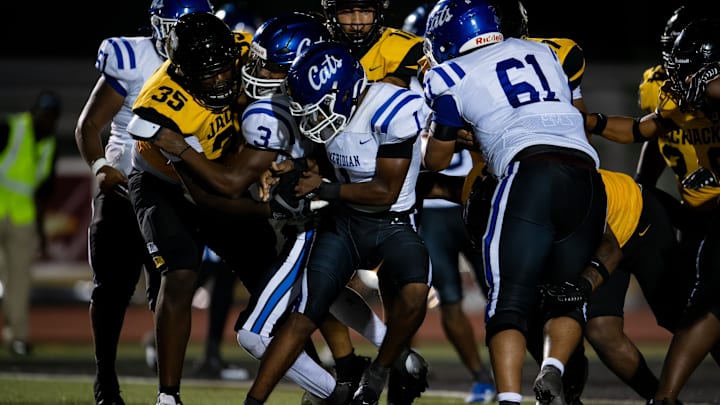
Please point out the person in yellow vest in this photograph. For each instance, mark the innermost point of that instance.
(27, 155)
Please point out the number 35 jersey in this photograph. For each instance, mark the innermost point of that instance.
(514, 94)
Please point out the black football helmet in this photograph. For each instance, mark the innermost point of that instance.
(679, 19)
(359, 42)
(696, 45)
(201, 46)
(513, 18)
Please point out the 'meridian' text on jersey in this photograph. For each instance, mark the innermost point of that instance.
(344, 160)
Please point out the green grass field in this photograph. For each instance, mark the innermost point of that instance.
(22, 382)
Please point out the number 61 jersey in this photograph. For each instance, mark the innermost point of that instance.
(514, 94)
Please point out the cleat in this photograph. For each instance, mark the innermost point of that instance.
(108, 394)
(165, 399)
(408, 383)
(481, 393)
(548, 387)
(365, 395)
(353, 378)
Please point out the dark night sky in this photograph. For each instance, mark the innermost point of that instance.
(609, 30)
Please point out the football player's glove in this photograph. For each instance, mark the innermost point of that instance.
(700, 178)
(698, 82)
(566, 296)
(284, 204)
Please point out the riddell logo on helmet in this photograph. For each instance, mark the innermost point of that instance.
(490, 38)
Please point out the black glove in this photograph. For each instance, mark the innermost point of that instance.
(284, 204)
(700, 178)
(696, 89)
(566, 296)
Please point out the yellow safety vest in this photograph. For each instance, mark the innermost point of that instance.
(24, 164)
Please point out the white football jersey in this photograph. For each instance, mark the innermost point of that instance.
(126, 63)
(514, 94)
(388, 114)
(267, 124)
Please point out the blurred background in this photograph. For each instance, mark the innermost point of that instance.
(52, 45)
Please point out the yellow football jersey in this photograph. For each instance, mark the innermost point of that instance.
(624, 200)
(694, 143)
(164, 101)
(572, 58)
(396, 53)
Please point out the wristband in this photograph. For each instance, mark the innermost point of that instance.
(98, 164)
(637, 136)
(329, 191)
(600, 124)
(600, 268)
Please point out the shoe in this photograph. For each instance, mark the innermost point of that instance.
(341, 395)
(310, 399)
(407, 383)
(113, 400)
(548, 387)
(165, 399)
(216, 369)
(360, 363)
(365, 395)
(107, 395)
(148, 343)
(481, 393)
(20, 348)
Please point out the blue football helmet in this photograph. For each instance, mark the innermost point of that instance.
(455, 27)
(165, 13)
(275, 45)
(325, 83)
(415, 21)
(237, 18)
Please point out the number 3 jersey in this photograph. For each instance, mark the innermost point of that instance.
(514, 94)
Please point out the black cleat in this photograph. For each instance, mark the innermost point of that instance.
(409, 382)
(548, 387)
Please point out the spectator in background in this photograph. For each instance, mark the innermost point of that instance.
(27, 156)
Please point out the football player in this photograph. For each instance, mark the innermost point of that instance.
(470, 60)
(444, 233)
(192, 95)
(693, 68)
(387, 54)
(370, 135)
(124, 64)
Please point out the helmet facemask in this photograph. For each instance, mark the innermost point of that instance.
(257, 86)
(358, 36)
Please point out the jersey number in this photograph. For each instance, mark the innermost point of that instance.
(522, 93)
(173, 98)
